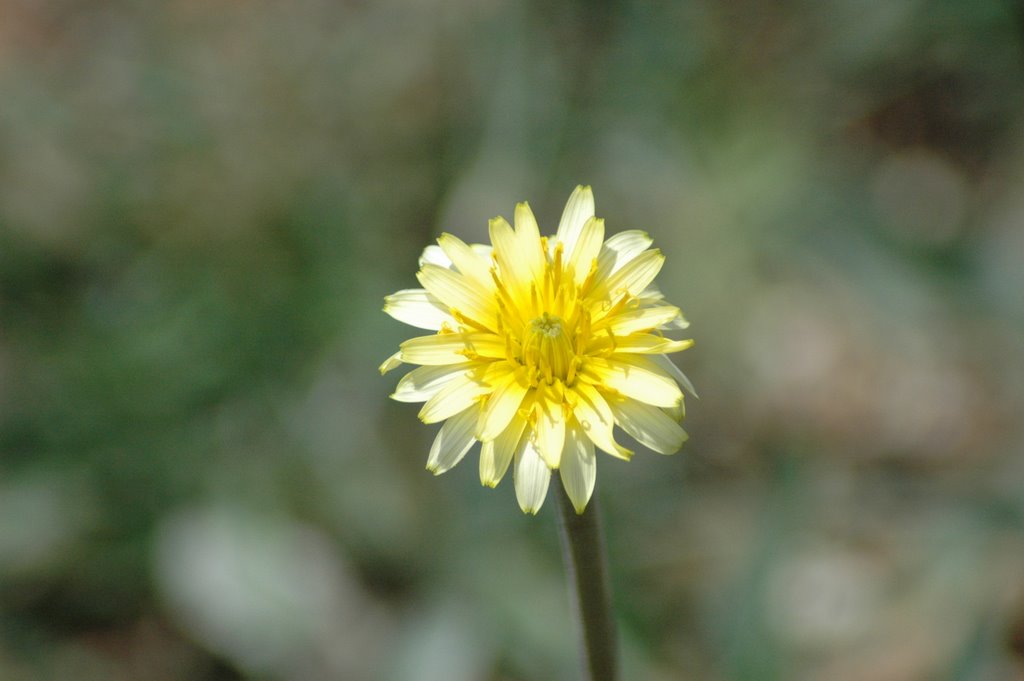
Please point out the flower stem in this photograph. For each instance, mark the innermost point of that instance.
(584, 555)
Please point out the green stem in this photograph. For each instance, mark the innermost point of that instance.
(583, 551)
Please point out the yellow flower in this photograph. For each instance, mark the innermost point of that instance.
(542, 345)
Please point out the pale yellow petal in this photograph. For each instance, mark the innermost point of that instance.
(496, 455)
(485, 345)
(579, 468)
(485, 251)
(442, 348)
(468, 262)
(620, 249)
(528, 238)
(417, 307)
(629, 375)
(676, 324)
(668, 366)
(637, 320)
(433, 255)
(451, 348)
(578, 210)
(458, 394)
(588, 245)
(637, 343)
(635, 275)
(531, 476)
(549, 431)
(502, 404)
(452, 442)
(650, 296)
(526, 224)
(392, 362)
(512, 260)
(458, 293)
(419, 385)
(649, 425)
(595, 418)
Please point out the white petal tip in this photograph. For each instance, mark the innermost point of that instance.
(578, 507)
(388, 365)
(621, 452)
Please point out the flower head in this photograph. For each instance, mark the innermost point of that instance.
(541, 346)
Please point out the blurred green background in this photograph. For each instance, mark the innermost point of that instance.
(202, 204)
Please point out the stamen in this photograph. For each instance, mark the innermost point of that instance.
(557, 264)
(466, 321)
(570, 376)
(589, 281)
(619, 306)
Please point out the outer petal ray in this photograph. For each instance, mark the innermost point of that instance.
(455, 291)
(579, 468)
(468, 262)
(669, 367)
(638, 320)
(391, 363)
(419, 385)
(532, 477)
(649, 425)
(452, 442)
(528, 236)
(638, 343)
(620, 249)
(549, 431)
(636, 274)
(633, 378)
(502, 404)
(433, 255)
(596, 420)
(588, 245)
(416, 307)
(460, 393)
(496, 455)
(513, 261)
(451, 348)
(578, 210)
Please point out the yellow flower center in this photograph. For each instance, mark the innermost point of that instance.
(548, 351)
(544, 317)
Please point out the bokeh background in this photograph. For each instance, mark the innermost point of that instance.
(202, 204)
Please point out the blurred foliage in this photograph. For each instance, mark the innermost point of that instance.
(203, 203)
